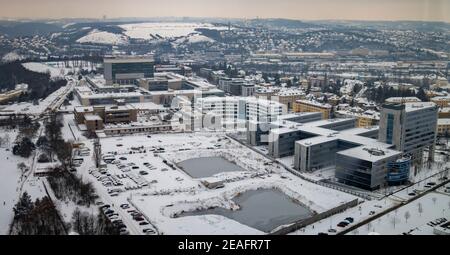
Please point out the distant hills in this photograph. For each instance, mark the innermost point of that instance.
(46, 27)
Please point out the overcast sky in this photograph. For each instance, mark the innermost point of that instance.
(430, 10)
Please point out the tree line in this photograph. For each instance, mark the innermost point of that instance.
(40, 85)
(36, 218)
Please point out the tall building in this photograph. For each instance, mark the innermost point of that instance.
(410, 127)
(126, 69)
(231, 112)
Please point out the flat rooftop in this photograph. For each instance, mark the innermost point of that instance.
(128, 59)
(92, 117)
(371, 154)
(444, 121)
(410, 107)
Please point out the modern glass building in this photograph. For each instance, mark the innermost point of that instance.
(410, 127)
(126, 69)
(398, 171)
(365, 167)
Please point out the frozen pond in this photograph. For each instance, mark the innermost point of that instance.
(262, 209)
(206, 167)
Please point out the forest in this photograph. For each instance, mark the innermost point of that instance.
(40, 85)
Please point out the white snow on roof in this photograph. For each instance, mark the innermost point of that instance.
(364, 154)
(443, 121)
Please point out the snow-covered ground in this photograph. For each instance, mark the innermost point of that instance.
(165, 30)
(10, 180)
(193, 38)
(102, 37)
(43, 68)
(13, 182)
(59, 69)
(174, 187)
(411, 216)
(12, 56)
(53, 99)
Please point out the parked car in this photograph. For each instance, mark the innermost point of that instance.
(124, 232)
(124, 206)
(144, 223)
(148, 231)
(349, 219)
(138, 219)
(342, 224)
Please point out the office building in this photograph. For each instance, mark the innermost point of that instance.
(126, 69)
(366, 167)
(410, 127)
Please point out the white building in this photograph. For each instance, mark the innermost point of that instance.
(230, 112)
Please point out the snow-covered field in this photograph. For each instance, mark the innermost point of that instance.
(10, 179)
(193, 38)
(165, 30)
(60, 69)
(102, 37)
(13, 182)
(43, 68)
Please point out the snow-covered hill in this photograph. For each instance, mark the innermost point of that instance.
(102, 37)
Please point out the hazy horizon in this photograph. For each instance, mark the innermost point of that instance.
(363, 10)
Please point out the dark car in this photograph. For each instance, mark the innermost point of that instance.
(342, 224)
(322, 234)
(349, 219)
(123, 158)
(148, 231)
(144, 223)
(138, 218)
(143, 173)
(108, 212)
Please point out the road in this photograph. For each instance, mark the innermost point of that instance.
(364, 222)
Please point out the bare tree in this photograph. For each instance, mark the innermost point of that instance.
(407, 216)
(23, 168)
(369, 226)
(420, 208)
(393, 221)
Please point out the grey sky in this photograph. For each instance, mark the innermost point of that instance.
(430, 10)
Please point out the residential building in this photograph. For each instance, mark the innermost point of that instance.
(441, 101)
(443, 127)
(313, 106)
